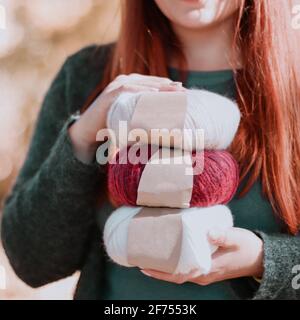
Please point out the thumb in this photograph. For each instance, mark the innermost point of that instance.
(226, 238)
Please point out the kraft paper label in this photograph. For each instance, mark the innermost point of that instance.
(154, 239)
(161, 115)
(165, 182)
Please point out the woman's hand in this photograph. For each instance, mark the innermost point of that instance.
(240, 254)
(83, 132)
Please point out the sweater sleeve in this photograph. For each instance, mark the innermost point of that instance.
(50, 214)
(281, 279)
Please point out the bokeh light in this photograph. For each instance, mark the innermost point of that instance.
(38, 36)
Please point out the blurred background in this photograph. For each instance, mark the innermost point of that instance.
(36, 36)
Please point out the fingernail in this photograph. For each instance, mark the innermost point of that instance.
(174, 83)
(145, 273)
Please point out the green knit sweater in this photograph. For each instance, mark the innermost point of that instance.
(52, 226)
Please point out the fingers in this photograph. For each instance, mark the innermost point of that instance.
(203, 280)
(211, 278)
(178, 279)
(135, 88)
(158, 84)
(123, 84)
(135, 77)
(147, 81)
(229, 238)
(172, 87)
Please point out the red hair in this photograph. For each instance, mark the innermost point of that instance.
(267, 145)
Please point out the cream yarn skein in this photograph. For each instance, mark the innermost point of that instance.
(195, 252)
(216, 115)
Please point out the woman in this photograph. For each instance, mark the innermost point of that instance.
(52, 224)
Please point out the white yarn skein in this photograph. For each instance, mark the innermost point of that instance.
(217, 115)
(196, 251)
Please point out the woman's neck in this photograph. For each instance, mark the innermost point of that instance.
(210, 48)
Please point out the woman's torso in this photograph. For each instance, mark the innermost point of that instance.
(103, 279)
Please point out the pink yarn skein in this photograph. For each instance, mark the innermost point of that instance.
(216, 185)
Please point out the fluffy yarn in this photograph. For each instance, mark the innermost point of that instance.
(217, 115)
(195, 251)
(217, 183)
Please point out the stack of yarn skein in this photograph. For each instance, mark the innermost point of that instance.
(171, 187)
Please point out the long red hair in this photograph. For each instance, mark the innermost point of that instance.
(267, 145)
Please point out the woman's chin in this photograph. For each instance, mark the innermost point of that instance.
(194, 21)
